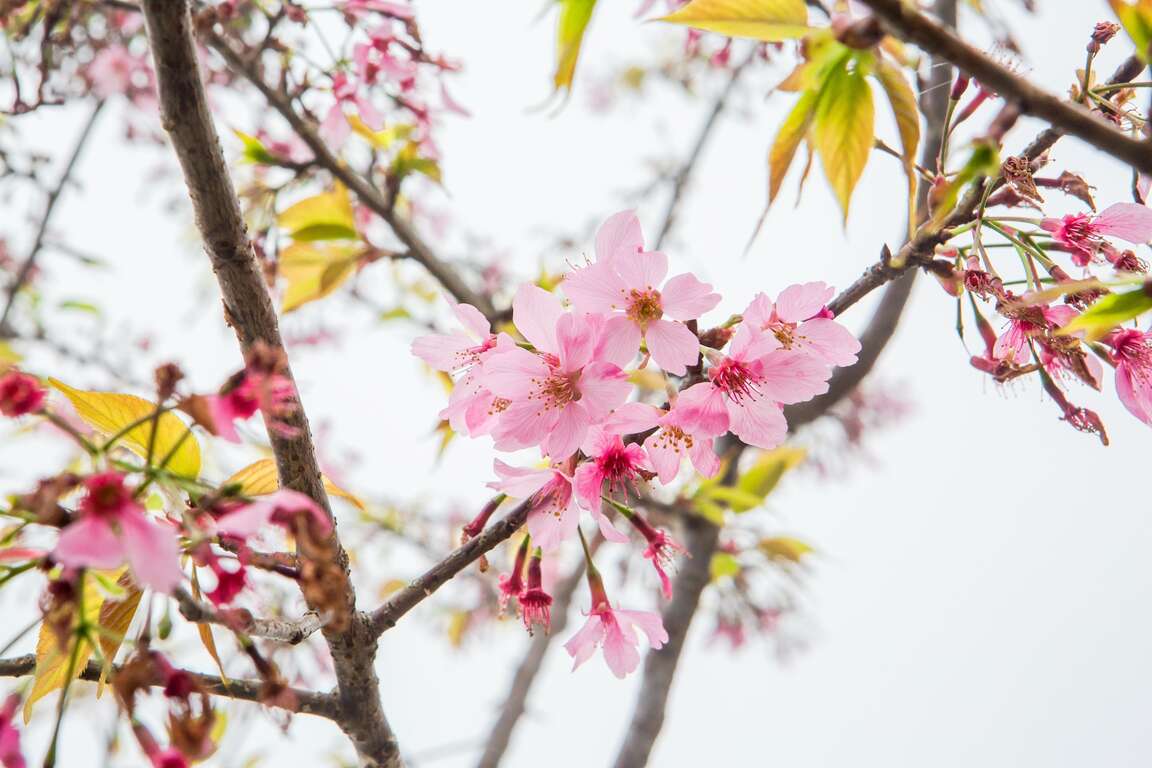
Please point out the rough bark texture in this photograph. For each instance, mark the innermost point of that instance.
(248, 308)
(904, 21)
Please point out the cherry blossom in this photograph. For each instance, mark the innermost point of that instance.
(614, 630)
(1132, 353)
(10, 755)
(20, 394)
(796, 321)
(112, 528)
(1084, 234)
(554, 516)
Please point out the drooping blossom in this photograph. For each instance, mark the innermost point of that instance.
(10, 755)
(1132, 353)
(614, 630)
(472, 408)
(20, 394)
(554, 516)
(535, 602)
(754, 380)
(112, 527)
(560, 391)
(797, 322)
(511, 585)
(661, 551)
(1084, 234)
(631, 289)
(609, 461)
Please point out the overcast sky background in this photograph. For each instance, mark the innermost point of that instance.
(981, 596)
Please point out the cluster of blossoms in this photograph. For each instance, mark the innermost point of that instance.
(566, 390)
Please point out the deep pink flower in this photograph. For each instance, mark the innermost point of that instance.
(395, 9)
(614, 631)
(375, 58)
(1132, 353)
(795, 320)
(112, 528)
(20, 394)
(10, 756)
(687, 430)
(1084, 234)
(282, 508)
(662, 551)
(630, 287)
(535, 603)
(560, 391)
(554, 515)
(249, 392)
(1023, 324)
(752, 382)
(609, 460)
(512, 584)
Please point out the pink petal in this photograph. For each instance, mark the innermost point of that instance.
(472, 319)
(89, 543)
(800, 302)
(1135, 392)
(443, 351)
(153, 551)
(575, 342)
(522, 425)
(750, 343)
(1127, 221)
(649, 622)
(603, 388)
(619, 341)
(704, 457)
(759, 311)
(519, 482)
(643, 271)
(607, 529)
(620, 649)
(665, 455)
(567, 433)
(631, 418)
(550, 529)
(534, 313)
(582, 645)
(793, 377)
(829, 341)
(686, 298)
(672, 345)
(595, 288)
(700, 408)
(620, 235)
(510, 373)
(588, 482)
(758, 422)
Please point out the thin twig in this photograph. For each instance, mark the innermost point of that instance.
(291, 631)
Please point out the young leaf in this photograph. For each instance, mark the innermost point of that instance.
(723, 564)
(261, 478)
(763, 476)
(109, 412)
(314, 270)
(574, 18)
(408, 160)
(327, 216)
(207, 639)
(1136, 18)
(788, 139)
(254, 150)
(903, 101)
(785, 549)
(768, 20)
(115, 618)
(1110, 311)
(845, 121)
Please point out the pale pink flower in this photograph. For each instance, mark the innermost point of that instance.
(796, 320)
(556, 394)
(609, 460)
(754, 380)
(10, 755)
(619, 236)
(395, 9)
(1132, 353)
(686, 430)
(553, 516)
(614, 631)
(631, 288)
(114, 71)
(112, 527)
(1084, 234)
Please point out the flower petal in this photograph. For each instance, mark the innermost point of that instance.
(686, 298)
(758, 422)
(672, 345)
(643, 271)
(534, 313)
(1127, 221)
(595, 288)
(800, 302)
(89, 543)
(153, 551)
(619, 235)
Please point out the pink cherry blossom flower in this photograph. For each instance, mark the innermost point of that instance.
(112, 528)
(752, 382)
(20, 394)
(535, 603)
(244, 394)
(1025, 323)
(394, 9)
(686, 430)
(614, 630)
(796, 322)
(116, 72)
(335, 128)
(10, 755)
(631, 288)
(553, 516)
(285, 508)
(1084, 234)
(661, 551)
(609, 460)
(511, 585)
(1132, 353)
(556, 394)
(375, 58)
(619, 236)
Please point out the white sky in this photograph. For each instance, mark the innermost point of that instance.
(982, 590)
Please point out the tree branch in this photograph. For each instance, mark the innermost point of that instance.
(25, 270)
(369, 195)
(291, 631)
(188, 122)
(906, 22)
(385, 617)
(308, 702)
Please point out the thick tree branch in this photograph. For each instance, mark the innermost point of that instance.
(369, 195)
(906, 22)
(308, 702)
(385, 617)
(291, 631)
(22, 275)
(188, 121)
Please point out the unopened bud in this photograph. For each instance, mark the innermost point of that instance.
(861, 34)
(960, 85)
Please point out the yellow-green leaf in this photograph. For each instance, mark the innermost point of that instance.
(314, 270)
(570, 29)
(261, 478)
(1136, 18)
(844, 130)
(254, 150)
(408, 160)
(791, 133)
(763, 476)
(785, 549)
(1110, 311)
(769, 20)
(204, 629)
(52, 661)
(723, 564)
(115, 618)
(327, 216)
(382, 139)
(110, 412)
(907, 112)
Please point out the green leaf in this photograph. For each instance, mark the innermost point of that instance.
(408, 161)
(788, 139)
(75, 305)
(984, 161)
(763, 476)
(327, 216)
(570, 29)
(723, 564)
(1136, 18)
(768, 20)
(254, 150)
(907, 112)
(844, 130)
(1110, 311)
(785, 549)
